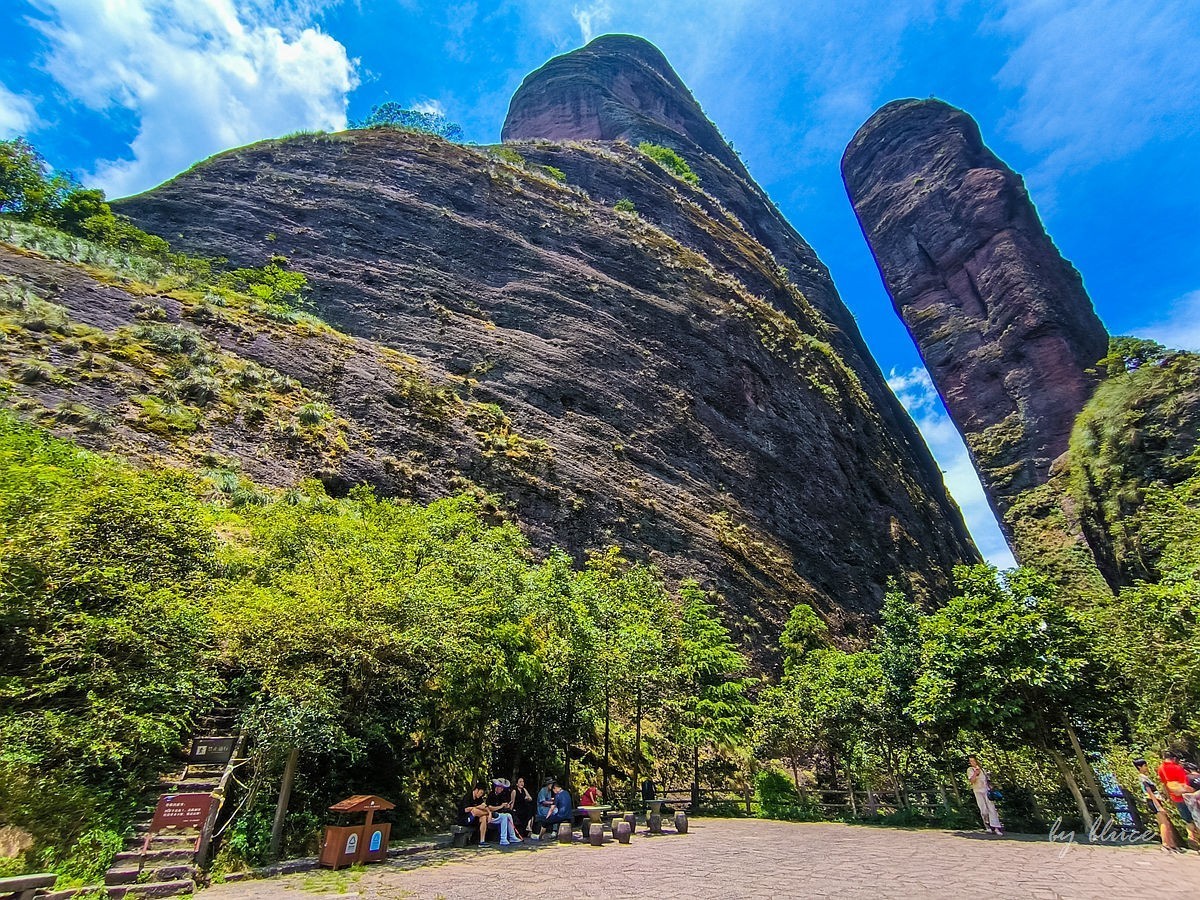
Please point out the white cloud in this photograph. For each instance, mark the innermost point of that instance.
(1098, 79)
(430, 107)
(17, 114)
(591, 18)
(915, 390)
(1180, 328)
(199, 76)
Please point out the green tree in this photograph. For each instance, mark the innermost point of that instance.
(711, 708)
(29, 189)
(392, 114)
(1005, 660)
(803, 633)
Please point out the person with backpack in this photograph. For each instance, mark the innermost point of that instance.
(981, 787)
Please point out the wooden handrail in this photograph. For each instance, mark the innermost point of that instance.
(204, 842)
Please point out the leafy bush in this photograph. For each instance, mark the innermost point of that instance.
(166, 417)
(171, 339)
(509, 155)
(556, 174)
(272, 283)
(314, 413)
(625, 205)
(31, 191)
(28, 187)
(670, 160)
(778, 798)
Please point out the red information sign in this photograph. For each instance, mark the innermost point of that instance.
(181, 811)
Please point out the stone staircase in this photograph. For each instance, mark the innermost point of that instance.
(169, 862)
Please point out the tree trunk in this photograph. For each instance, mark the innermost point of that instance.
(695, 776)
(1089, 776)
(607, 744)
(479, 752)
(637, 744)
(943, 797)
(850, 785)
(285, 795)
(1069, 777)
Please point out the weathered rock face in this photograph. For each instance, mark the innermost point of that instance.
(654, 380)
(1002, 320)
(621, 88)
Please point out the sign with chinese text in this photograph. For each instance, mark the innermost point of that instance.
(212, 750)
(181, 811)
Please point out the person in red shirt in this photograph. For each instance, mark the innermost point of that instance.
(591, 797)
(1174, 778)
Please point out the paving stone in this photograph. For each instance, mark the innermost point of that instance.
(737, 858)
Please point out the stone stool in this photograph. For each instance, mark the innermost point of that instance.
(631, 819)
(623, 832)
(681, 824)
(565, 832)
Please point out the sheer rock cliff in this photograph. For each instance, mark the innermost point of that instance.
(681, 380)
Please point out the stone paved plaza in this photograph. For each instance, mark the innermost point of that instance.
(757, 859)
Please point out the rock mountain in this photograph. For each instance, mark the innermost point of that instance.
(1001, 319)
(681, 379)
(1084, 452)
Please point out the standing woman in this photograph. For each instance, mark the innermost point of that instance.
(981, 787)
(524, 806)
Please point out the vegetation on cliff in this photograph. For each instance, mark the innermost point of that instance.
(405, 647)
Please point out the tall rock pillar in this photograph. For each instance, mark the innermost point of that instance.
(1001, 319)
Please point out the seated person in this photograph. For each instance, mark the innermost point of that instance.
(472, 808)
(591, 797)
(500, 805)
(524, 808)
(545, 803)
(560, 812)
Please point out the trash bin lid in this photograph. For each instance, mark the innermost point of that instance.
(361, 803)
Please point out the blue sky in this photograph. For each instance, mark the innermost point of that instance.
(1096, 102)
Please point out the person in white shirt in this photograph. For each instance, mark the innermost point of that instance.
(981, 786)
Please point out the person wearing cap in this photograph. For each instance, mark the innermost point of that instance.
(500, 804)
(545, 803)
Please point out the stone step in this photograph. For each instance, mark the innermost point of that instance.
(189, 786)
(136, 857)
(140, 831)
(153, 889)
(163, 841)
(92, 890)
(169, 872)
(122, 875)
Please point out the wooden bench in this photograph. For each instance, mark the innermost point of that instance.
(460, 835)
(26, 887)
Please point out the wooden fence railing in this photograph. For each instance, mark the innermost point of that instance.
(929, 801)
